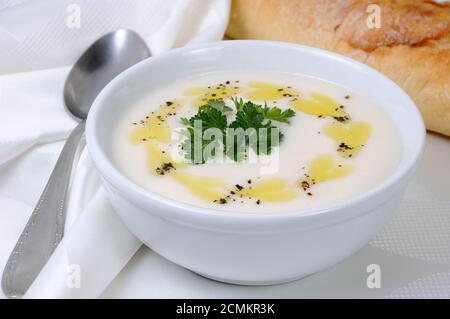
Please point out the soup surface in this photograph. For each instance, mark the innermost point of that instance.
(314, 142)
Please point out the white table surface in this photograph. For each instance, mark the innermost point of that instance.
(413, 252)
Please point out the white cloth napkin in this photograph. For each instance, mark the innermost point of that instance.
(39, 40)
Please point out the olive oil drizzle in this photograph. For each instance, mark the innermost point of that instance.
(155, 125)
(350, 138)
(223, 91)
(321, 105)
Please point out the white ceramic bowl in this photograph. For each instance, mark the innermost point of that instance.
(252, 248)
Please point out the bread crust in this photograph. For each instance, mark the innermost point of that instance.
(412, 47)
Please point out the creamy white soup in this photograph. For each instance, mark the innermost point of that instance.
(314, 143)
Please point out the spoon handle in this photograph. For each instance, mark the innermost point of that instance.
(44, 230)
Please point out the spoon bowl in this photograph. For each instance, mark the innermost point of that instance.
(103, 61)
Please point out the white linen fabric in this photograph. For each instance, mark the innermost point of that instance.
(39, 41)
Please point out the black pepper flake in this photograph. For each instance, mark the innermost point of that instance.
(239, 187)
(344, 146)
(169, 103)
(347, 97)
(258, 202)
(165, 168)
(222, 201)
(227, 82)
(305, 185)
(249, 181)
(309, 194)
(344, 118)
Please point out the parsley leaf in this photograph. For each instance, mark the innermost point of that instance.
(185, 121)
(209, 116)
(202, 131)
(251, 128)
(199, 149)
(262, 136)
(276, 114)
(247, 116)
(220, 106)
(268, 113)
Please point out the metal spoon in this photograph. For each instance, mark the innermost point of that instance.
(102, 61)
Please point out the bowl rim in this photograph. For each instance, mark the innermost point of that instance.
(181, 209)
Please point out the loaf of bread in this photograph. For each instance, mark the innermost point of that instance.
(411, 43)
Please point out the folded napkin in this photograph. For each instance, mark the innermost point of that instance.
(39, 41)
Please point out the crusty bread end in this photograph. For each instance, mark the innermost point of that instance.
(412, 47)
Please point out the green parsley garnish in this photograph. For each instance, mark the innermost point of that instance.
(209, 133)
(268, 113)
(210, 116)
